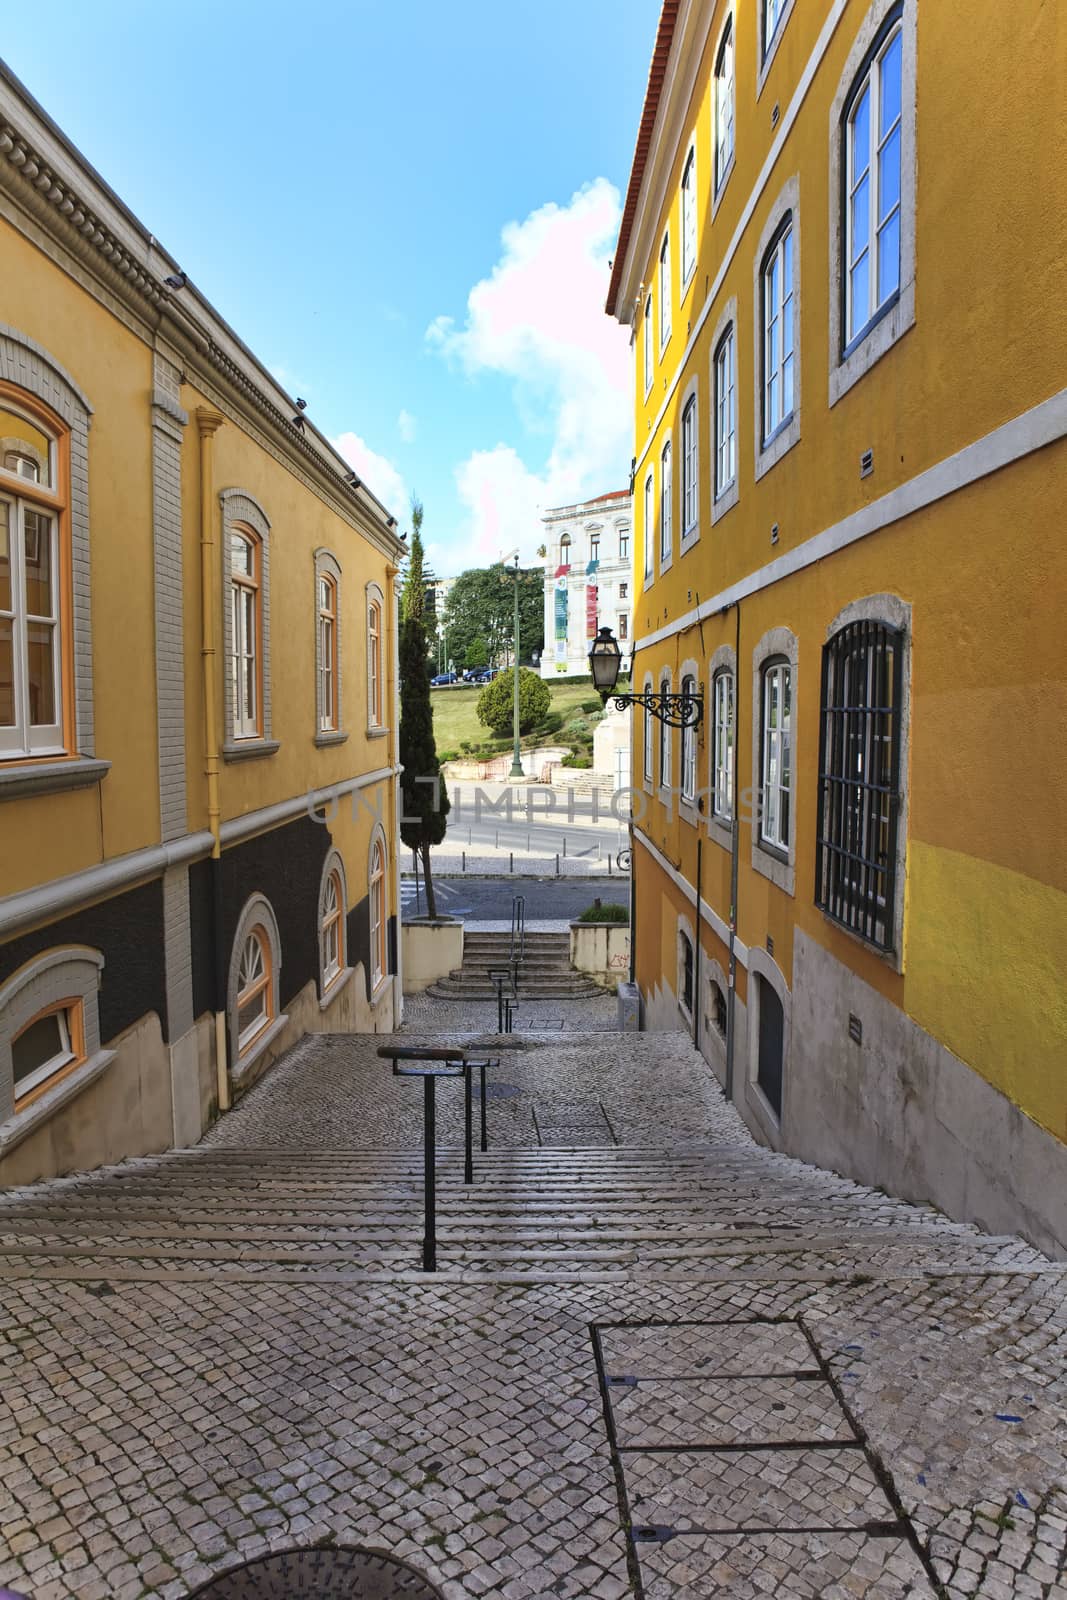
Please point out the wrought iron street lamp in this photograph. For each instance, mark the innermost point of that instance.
(682, 710)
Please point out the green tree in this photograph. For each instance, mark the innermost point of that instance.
(481, 606)
(424, 800)
(497, 701)
(477, 654)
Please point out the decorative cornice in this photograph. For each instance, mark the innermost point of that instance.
(122, 265)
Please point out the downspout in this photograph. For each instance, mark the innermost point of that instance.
(391, 574)
(208, 423)
(696, 953)
(735, 852)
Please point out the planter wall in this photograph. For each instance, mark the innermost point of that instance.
(602, 949)
(432, 949)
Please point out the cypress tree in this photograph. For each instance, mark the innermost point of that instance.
(425, 804)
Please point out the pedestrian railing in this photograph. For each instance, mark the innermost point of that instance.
(518, 930)
(430, 1064)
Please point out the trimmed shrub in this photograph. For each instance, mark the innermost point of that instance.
(496, 701)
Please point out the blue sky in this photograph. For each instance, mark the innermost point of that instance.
(406, 211)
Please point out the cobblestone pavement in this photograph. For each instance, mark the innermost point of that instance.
(658, 1360)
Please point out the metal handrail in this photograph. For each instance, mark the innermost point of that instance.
(518, 929)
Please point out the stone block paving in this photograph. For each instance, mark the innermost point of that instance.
(163, 1419)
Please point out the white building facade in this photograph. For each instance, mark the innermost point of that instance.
(588, 580)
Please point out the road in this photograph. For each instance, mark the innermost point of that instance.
(489, 899)
(533, 819)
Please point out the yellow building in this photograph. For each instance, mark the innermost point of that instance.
(198, 741)
(842, 259)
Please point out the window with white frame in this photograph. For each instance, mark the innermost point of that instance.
(624, 590)
(650, 354)
(33, 657)
(689, 748)
(777, 310)
(665, 290)
(650, 527)
(724, 104)
(332, 908)
(666, 513)
(327, 653)
(872, 185)
(689, 216)
(772, 15)
(776, 763)
(255, 989)
(647, 762)
(245, 633)
(690, 470)
(722, 755)
(725, 412)
(49, 1024)
(624, 544)
(665, 740)
(375, 658)
(624, 623)
(378, 959)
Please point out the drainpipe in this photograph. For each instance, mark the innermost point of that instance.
(208, 423)
(391, 575)
(696, 953)
(735, 851)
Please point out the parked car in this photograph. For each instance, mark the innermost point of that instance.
(444, 677)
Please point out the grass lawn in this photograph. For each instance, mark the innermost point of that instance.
(456, 719)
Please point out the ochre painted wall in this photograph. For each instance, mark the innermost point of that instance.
(982, 569)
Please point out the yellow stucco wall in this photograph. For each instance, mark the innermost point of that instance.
(44, 837)
(982, 568)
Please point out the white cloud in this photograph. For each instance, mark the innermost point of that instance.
(377, 472)
(407, 426)
(539, 320)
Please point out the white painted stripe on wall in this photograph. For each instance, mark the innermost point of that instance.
(1044, 424)
(713, 920)
(47, 901)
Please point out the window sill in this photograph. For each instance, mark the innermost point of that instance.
(380, 990)
(50, 777)
(782, 440)
(777, 868)
(888, 958)
(880, 338)
(666, 563)
(690, 540)
(249, 749)
(722, 833)
(329, 736)
(689, 812)
(725, 501)
(337, 986)
(21, 1124)
(771, 49)
(377, 733)
(240, 1073)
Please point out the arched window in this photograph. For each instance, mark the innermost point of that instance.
(776, 766)
(665, 290)
(650, 356)
(686, 969)
(719, 1014)
(255, 990)
(650, 527)
(666, 510)
(725, 412)
(722, 754)
(724, 105)
(778, 309)
(36, 644)
(246, 626)
(378, 957)
(871, 193)
(375, 659)
(649, 723)
(49, 1025)
(327, 654)
(690, 471)
(564, 549)
(689, 747)
(332, 917)
(859, 779)
(689, 216)
(665, 740)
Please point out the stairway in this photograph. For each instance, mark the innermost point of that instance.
(545, 972)
(533, 1215)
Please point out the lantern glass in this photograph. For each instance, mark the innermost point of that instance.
(604, 660)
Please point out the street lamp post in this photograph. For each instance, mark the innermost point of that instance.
(677, 710)
(516, 759)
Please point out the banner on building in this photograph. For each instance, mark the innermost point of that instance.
(590, 610)
(561, 620)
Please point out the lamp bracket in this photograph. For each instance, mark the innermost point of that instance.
(676, 710)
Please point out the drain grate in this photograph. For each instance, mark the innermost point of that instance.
(735, 1455)
(320, 1575)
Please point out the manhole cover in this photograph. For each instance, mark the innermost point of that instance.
(497, 1091)
(323, 1574)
